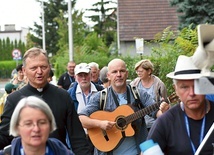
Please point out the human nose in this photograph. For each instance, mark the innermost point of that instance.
(118, 73)
(191, 91)
(39, 70)
(35, 125)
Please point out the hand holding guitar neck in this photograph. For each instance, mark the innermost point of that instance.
(164, 106)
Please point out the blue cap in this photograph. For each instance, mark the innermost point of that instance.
(147, 144)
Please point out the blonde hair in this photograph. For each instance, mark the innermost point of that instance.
(145, 64)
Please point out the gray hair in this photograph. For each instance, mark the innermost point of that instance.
(103, 74)
(35, 103)
(174, 81)
(32, 52)
(94, 64)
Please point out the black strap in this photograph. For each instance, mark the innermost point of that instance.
(137, 98)
(115, 98)
(103, 99)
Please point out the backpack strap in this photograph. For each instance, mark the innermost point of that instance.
(7, 150)
(136, 95)
(103, 97)
(135, 92)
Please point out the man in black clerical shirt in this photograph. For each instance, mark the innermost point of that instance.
(36, 67)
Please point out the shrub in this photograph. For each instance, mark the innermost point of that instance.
(6, 68)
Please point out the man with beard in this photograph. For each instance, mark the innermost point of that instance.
(83, 89)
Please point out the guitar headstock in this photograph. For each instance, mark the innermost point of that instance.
(173, 98)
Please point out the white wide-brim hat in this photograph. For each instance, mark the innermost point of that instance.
(185, 69)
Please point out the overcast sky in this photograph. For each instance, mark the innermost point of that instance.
(23, 13)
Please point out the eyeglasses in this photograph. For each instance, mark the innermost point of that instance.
(139, 72)
(31, 125)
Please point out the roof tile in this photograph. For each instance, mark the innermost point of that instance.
(145, 18)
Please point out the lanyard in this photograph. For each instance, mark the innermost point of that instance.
(88, 98)
(71, 79)
(188, 128)
(201, 132)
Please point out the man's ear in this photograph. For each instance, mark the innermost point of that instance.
(175, 88)
(127, 72)
(107, 75)
(24, 71)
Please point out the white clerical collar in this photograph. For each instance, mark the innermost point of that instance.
(40, 89)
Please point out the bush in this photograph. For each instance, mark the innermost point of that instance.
(6, 68)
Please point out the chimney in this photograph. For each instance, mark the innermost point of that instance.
(9, 27)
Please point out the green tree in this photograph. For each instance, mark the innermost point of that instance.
(171, 44)
(30, 42)
(105, 20)
(79, 32)
(52, 9)
(7, 46)
(194, 12)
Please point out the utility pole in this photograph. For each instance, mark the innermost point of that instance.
(70, 33)
(43, 27)
(118, 31)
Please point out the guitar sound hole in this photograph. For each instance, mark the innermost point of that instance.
(121, 123)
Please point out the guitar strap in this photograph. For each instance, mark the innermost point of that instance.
(136, 95)
(115, 98)
(103, 97)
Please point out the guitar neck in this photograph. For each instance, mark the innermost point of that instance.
(141, 113)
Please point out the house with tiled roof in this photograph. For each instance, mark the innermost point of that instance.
(143, 19)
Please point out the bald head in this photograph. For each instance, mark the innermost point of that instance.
(116, 62)
(117, 75)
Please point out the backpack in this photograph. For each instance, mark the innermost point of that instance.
(134, 90)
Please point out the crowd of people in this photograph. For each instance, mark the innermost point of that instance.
(92, 111)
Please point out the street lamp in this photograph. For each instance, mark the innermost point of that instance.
(70, 34)
(43, 27)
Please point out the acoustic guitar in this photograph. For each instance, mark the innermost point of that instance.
(124, 115)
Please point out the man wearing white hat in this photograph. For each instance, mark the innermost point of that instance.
(83, 89)
(182, 128)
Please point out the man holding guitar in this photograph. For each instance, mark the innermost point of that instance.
(118, 129)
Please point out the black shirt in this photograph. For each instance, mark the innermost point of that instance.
(65, 81)
(63, 110)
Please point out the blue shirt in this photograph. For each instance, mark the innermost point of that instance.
(139, 137)
(210, 97)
